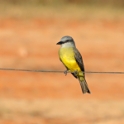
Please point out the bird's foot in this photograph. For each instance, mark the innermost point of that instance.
(65, 72)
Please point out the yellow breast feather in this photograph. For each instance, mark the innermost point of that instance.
(68, 59)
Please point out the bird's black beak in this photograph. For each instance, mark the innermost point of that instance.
(59, 43)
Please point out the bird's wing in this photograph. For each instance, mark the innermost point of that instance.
(78, 59)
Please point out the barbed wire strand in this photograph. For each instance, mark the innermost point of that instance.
(55, 71)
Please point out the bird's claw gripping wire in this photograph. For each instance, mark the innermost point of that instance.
(65, 72)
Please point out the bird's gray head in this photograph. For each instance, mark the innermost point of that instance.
(66, 41)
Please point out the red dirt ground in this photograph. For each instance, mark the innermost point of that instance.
(42, 98)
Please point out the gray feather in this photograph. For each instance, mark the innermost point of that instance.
(84, 86)
(78, 59)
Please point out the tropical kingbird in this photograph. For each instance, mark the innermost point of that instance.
(72, 60)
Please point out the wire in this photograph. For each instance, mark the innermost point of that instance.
(53, 71)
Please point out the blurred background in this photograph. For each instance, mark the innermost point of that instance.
(29, 31)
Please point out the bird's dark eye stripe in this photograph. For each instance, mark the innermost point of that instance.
(67, 41)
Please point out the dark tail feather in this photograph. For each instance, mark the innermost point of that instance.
(84, 86)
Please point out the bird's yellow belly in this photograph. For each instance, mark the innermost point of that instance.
(67, 57)
(72, 65)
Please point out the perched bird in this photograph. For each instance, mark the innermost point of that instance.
(72, 60)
